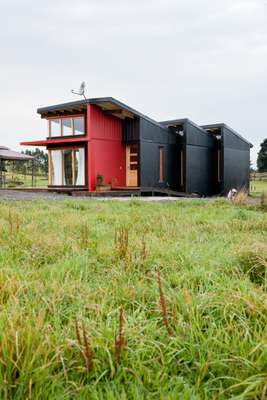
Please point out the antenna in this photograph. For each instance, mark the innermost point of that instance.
(80, 91)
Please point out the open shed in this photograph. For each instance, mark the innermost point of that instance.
(7, 154)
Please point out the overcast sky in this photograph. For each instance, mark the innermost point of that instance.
(201, 59)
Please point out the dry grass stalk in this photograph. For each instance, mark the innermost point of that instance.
(240, 198)
(264, 200)
(13, 223)
(144, 251)
(163, 306)
(122, 241)
(85, 349)
(120, 338)
(84, 236)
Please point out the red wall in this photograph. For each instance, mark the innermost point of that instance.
(106, 154)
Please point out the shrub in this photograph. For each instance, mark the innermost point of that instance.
(240, 198)
(253, 261)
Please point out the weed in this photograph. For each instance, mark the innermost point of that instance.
(84, 346)
(162, 303)
(122, 241)
(84, 241)
(240, 198)
(120, 338)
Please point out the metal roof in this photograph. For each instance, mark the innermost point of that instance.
(223, 125)
(182, 121)
(7, 154)
(108, 104)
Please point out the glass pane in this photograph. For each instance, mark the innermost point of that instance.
(78, 125)
(134, 149)
(66, 127)
(67, 156)
(133, 167)
(55, 129)
(79, 167)
(56, 168)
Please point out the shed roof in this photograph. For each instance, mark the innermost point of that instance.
(108, 104)
(7, 154)
(223, 125)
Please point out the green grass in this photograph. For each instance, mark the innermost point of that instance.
(257, 187)
(60, 263)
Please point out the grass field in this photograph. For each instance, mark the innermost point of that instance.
(21, 180)
(131, 300)
(257, 187)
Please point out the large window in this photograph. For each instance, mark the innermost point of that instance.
(67, 167)
(70, 126)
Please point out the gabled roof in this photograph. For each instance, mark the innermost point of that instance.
(7, 154)
(223, 125)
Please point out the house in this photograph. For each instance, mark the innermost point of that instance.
(105, 138)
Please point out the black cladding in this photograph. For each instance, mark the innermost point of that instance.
(208, 160)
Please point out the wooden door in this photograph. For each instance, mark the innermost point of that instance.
(132, 165)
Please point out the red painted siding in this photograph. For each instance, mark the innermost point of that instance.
(105, 151)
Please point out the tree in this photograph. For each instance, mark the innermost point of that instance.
(262, 157)
(41, 159)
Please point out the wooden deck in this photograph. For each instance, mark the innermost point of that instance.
(116, 192)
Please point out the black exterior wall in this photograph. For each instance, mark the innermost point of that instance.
(194, 159)
(235, 161)
(152, 137)
(200, 167)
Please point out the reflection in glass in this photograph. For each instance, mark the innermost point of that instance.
(66, 127)
(55, 128)
(67, 157)
(78, 125)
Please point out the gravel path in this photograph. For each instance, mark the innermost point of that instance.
(24, 195)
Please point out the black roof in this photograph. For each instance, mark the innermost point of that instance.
(182, 121)
(121, 110)
(223, 125)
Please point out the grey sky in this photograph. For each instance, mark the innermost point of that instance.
(201, 59)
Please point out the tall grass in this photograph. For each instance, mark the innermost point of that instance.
(194, 330)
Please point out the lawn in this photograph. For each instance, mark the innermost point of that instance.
(131, 300)
(257, 187)
(21, 180)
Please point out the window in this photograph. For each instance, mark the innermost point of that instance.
(66, 126)
(219, 166)
(78, 125)
(161, 164)
(55, 172)
(79, 167)
(54, 127)
(67, 167)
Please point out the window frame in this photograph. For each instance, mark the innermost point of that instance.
(161, 164)
(61, 118)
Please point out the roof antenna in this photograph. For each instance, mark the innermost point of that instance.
(80, 91)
